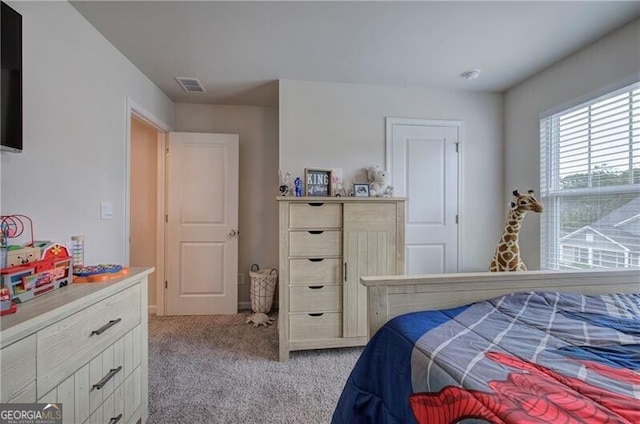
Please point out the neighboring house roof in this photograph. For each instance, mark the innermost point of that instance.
(591, 230)
(619, 226)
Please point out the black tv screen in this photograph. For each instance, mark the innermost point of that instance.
(11, 79)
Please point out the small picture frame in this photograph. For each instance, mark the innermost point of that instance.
(317, 182)
(361, 190)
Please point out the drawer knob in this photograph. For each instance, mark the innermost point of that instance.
(316, 232)
(114, 420)
(316, 204)
(106, 327)
(106, 378)
(315, 259)
(316, 314)
(315, 287)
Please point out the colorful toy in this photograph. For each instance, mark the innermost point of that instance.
(50, 272)
(34, 268)
(77, 251)
(7, 306)
(98, 273)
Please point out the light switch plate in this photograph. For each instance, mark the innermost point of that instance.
(106, 210)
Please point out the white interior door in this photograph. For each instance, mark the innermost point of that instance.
(422, 157)
(202, 208)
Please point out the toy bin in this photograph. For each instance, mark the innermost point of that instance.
(263, 286)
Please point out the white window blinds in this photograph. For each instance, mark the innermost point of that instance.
(590, 183)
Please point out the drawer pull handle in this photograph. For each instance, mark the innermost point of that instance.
(114, 420)
(316, 204)
(315, 259)
(106, 327)
(106, 378)
(315, 287)
(316, 232)
(317, 314)
(345, 271)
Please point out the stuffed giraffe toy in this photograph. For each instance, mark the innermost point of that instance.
(507, 256)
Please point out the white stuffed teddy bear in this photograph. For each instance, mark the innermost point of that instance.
(378, 183)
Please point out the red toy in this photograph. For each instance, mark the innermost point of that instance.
(6, 305)
(33, 268)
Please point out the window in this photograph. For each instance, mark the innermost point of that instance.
(590, 182)
(581, 255)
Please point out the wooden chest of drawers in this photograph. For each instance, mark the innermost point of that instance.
(85, 346)
(326, 245)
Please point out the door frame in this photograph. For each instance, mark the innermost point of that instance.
(391, 121)
(134, 109)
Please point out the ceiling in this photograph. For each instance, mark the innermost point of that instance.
(238, 49)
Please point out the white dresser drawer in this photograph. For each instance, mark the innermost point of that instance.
(73, 341)
(306, 272)
(316, 298)
(18, 371)
(315, 215)
(326, 325)
(315, 244)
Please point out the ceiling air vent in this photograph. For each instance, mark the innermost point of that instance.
(191, 85)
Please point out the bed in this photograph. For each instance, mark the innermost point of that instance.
(519, 347)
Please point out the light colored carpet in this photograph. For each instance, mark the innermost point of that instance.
(217, 369)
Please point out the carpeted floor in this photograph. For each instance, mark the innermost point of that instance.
(218, 369)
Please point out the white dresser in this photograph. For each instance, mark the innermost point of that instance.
(85, 346)
(326, 245)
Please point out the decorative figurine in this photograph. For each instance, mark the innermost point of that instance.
(298, 183)
(285, 183)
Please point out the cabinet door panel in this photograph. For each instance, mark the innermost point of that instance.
(370, 248)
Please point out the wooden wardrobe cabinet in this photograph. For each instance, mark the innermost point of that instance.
(326, 245)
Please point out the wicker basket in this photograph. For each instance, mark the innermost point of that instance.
(263, 286)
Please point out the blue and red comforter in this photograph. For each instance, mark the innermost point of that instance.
(530, 357)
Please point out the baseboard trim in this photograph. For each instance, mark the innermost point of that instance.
(242, 306)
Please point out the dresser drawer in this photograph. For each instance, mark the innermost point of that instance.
(18, 371)
(315, 298)
(306, 272)
(71, 342)
(315, 215)
(326, 325)
(315, 244)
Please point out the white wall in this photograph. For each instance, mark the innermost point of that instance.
(257, 128)
(330, 125)
(75, 90)
(609, 63)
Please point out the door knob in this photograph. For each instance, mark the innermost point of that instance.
(233, 233)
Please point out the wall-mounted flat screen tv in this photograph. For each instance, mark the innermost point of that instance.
(11, 79)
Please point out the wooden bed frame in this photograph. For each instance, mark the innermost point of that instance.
(391, 296)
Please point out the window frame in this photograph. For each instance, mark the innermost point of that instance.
(552, 254)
